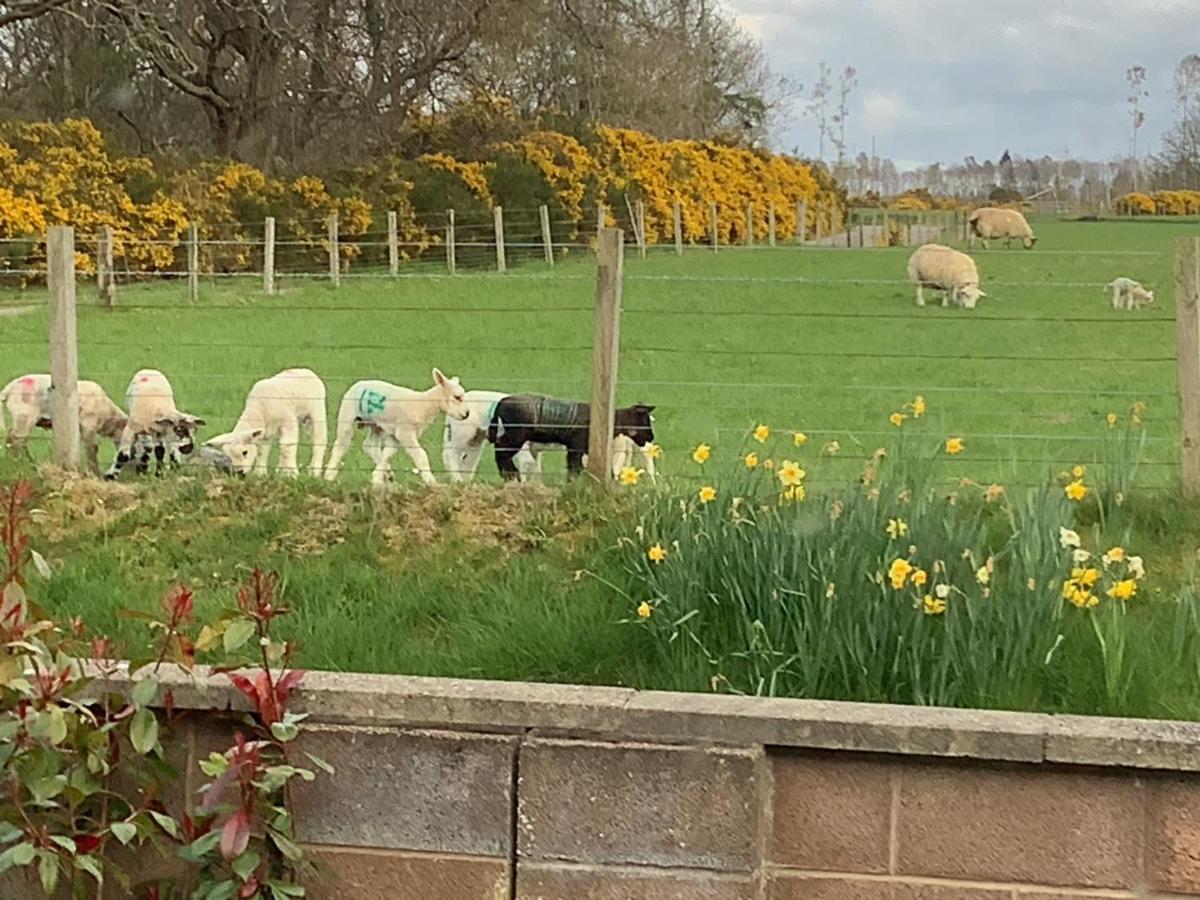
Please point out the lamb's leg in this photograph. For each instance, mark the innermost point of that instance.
(160, 453)
(412, 446)
(124, 447)
(574, 462)
(648, 461)
(529, 463)
(319, 429)
(91, 452)
(505, 457)
(1116, 298)
(920, 296)
(461, 451)
(381, 448)
(289, 449)
(345, 437)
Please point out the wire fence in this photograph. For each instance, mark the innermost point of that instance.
(814, 341)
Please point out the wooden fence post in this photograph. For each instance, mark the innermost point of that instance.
(640, 225)
(678, 229)
(547, 241)
(498, 225)
(1187, 323)
(335, 253)
(601, 219)
(451, 250)
(393, 243)
(817, 222)
(269, 255)
(771, 224)
(106, 278)
(64, 361)
(193, 254)
(801, 221)
(712, 226)
(606, 344)
(750, 224)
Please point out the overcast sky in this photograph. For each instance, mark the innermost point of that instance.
(941, 79)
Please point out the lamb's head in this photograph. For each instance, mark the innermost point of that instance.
(1028, 242)
(451, 396)
(179, 432)
(636, 423)
(968, 295)
(239, 447)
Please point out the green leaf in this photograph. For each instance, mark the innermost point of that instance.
(50, 725)
(284, 731)
(45, 788)
(17, 855)
(283, 889)
(143, 731)
(288, 848)
(201, 847)
(215, 765)
(145, 690)
(90, 865)
(166, 823)
(238, 632)
(63, 841)
(209, 637)
(222, 890)
(9, 832)
(123, 831)
(244, 865)
(320, 763)
(48, 871)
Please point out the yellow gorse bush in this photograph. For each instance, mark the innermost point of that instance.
(1160, 203)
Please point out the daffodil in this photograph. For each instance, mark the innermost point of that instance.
(1076, 490)
(1136, 567)
(899, 571)
(993, 492)
(1067, 538)
(830, 590)
(954, 446)
(1123, 590)
(768, 464)
(702, 453)
(751, 460)
(897, 528)
(933, 606)
(1078, 471)
(983, 575)
(831, 448)
(790, 473)
(942, 591)
(654, 451)
(897, 419)
(644, 610)
(799, 438)
(630, 475)
(919, 577)
(1115, 554)
(1079, 556)
(792, 494)
(708, 494)
(1111, 419)
(761, 433)
(657, 553)
(918, 406)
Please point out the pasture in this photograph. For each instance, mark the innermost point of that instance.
(484, 582)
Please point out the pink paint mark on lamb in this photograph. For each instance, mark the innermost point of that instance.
(27, 382)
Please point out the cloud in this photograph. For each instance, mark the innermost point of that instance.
(941, 79)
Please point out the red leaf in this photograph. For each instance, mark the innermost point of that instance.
(178, 603)
(235, 836)
(250, 888)
(86, 843)
(245, 685)
(288, 682)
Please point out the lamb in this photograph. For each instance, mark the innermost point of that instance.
(937, 266)
(991, 223)
(155, 425)
(395, 418)
(1128, 294)
(538, 419)
(463, 442)
(275, 411)
(27, 400)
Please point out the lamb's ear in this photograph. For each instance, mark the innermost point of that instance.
(982, 294)
(255, 434)
(196, 421)
(438, 378)
(220, 440)
(165, 422)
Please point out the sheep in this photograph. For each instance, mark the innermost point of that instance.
(990, 223)
(395, 418)
(276, 409)
(536, 418)
(155, 425)
(27, 400)
(937, 266)
(463, 442)
(1128, 294)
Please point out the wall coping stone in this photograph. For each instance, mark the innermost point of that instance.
(610, 713)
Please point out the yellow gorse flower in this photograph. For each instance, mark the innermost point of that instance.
(790, 473)
(1076, 490)
(751, 460)
(708, 494)
(657, 553)
(761, 433)
(702, 453)
(630, 475)
(954, 446)
(899, 571)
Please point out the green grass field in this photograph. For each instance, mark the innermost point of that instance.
(483, 584)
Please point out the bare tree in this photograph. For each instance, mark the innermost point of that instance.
(847, 82)
(20, 10)
(818, 106)
(1187, 85)
(1135, 76)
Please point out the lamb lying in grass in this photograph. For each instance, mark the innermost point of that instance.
(27, 401)
(395, 418)
(275, 411)
(534, 418)
(1128, 294)
(155, 425)
(463, 441)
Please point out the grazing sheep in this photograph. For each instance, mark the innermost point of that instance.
(937, 266)
(395, 418)
(155, 425)
(538, 419)
(1128, 294)
(275, 411)
(463, 441)
(991, 223)
(27, 400)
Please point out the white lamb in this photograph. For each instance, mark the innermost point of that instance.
(395, 418)
(937, 266)
(275, 411)
(154, 423)
(992, 223)
(27, 400)
(1128, 294)
(464, 440)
